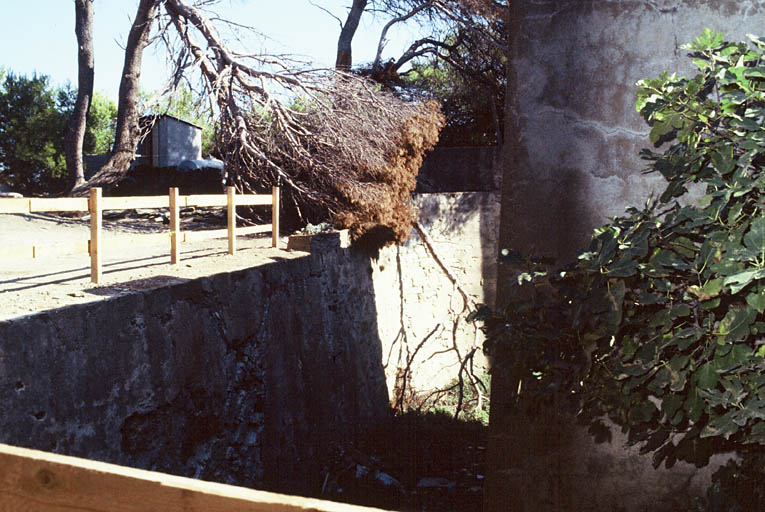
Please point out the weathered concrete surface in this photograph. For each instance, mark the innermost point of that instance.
(421, 314)
(570, 161)
(243, 377)
(573, 134)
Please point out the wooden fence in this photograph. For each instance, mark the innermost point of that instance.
(96, 204)
(46, 482)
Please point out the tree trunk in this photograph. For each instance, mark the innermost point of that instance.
(75, 130)
(128, 131)
(344, 58)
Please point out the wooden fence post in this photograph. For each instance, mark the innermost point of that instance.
(94, 206)
(175, 226)
(231, 204)
(275, 217)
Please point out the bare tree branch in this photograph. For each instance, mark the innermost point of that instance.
(75, 130)
(339, 21)
(344, 59)
(384, 32)
(335, 142)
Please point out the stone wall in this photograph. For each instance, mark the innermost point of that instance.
(244, 377)
(459, 169)
(573, 135)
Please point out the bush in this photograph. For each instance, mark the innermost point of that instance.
(659, 325)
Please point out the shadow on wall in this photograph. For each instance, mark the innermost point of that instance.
(423, 317)
(451, 218)
(548, 218)
(249, 377)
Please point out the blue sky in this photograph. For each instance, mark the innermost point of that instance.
(38, 36)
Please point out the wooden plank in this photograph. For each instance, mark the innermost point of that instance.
(231, 216)
(175, 226)
(95, 235)
(206, 200)
(253, 200)
(132, 202)
(58, 204)
(275, 217)
(14, 205)
(47, 482)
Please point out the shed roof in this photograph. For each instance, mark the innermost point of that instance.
(159, 116)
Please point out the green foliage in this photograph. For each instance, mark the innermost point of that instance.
(471, 407)
(101, 124)
(469, 101)
(659, 325)
(31, 134)
(33, 119)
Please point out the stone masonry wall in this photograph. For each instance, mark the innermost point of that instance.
(571, 160)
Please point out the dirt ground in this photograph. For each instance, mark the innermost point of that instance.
(136, 255)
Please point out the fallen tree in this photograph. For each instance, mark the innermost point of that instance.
(344, 151)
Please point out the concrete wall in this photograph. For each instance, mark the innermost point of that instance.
(244, 377)
(249, 377)
(459, 169)
(573, 136)
(570, 161)
(421, 315)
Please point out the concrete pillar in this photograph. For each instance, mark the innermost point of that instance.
(571, 160)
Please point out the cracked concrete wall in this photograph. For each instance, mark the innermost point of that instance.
(573, 134)
(245, 377)
(571, 161)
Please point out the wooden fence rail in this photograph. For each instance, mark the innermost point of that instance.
(96, 204)
(46, 482)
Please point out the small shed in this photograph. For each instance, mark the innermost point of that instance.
(170, 141)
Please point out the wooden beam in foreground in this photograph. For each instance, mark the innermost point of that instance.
(45, 482)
